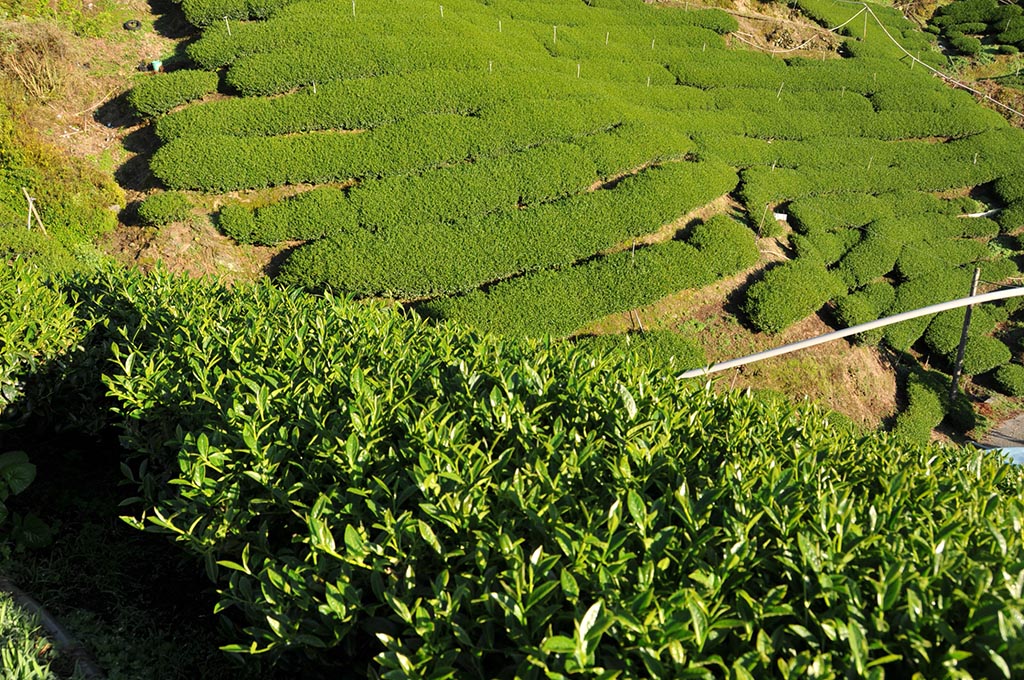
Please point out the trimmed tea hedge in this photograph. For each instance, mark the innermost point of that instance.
(440, 258)
(926, 407)
(1010, 378)
(789, 293)
(161, 92)
(165, 207)
(560, 301)
(864, 306)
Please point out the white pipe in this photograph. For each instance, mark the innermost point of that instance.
(853, 330)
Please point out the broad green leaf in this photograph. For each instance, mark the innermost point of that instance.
(16, 471)
(858, 646)
(558, 644)
(627, 400)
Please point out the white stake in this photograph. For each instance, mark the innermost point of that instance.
(554, 33)
(778, 95)
(648, 81)
(314, 87)
(499, 25)
(353, 7)
(227, 24)
(490, 66)
(577, 70)
(606, 40)
(442, 11)
(652, 43)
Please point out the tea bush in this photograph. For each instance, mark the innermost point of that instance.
(560, 301)
(495, 508)
(218, 162)
(984, 353)
(308, 216)
(943, 334)
(432, 258)
(926, 397)
(161, 92)
(790, 292)
(663, 347)
(165, 207)
(1010, 378)
(864, 306)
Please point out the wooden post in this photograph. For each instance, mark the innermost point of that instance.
(959, 365)
(639, 322)
(761, 223)
(32, 212)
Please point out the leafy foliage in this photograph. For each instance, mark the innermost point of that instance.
(789, 293)
(165, 207)
(161, 92)
(559, 301)
(1010, 378)
(25, 653)
(431, 258)
(504, 507)
(962, 20)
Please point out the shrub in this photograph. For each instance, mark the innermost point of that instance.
(925, 409)
(488, 505)
(939, 286)
(1010, 378)
(560, 301)
(1011, 217)
(663, 347)
(943, 334)
(165, 207)
(161, 92)
(789, 293)
(866, 305)
(418, 260)
(238, 222)
(983, 353)
(727, 244)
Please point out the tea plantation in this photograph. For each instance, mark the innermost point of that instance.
(488, 159)
(395, 498)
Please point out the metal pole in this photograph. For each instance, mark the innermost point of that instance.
(854, 330)
(959, 365)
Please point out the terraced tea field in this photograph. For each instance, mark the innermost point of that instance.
(496, 162)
